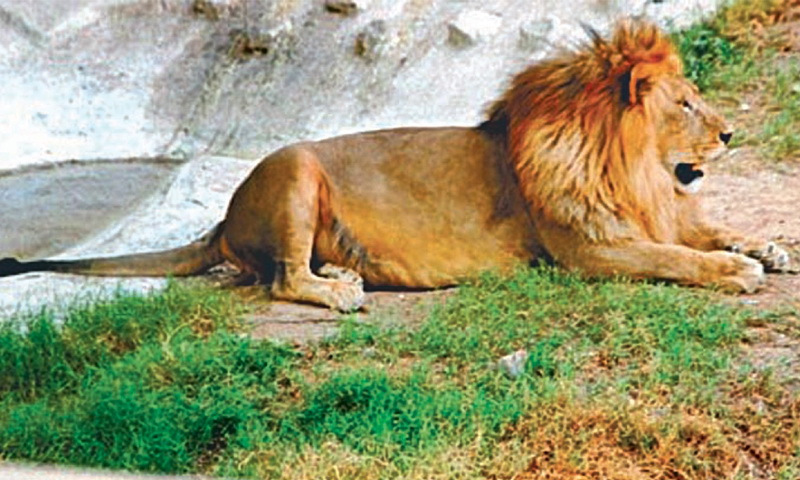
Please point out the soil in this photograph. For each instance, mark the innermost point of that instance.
(761, 200)
(305, 323)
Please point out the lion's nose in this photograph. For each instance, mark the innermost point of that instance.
(725, 137)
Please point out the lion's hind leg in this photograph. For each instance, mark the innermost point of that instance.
(274, 222)
(299, 206)
(335, 287)
(336, 272)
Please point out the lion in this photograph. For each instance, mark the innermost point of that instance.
(592, 159)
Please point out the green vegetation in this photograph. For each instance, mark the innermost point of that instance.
(741, 58)
(706, 53)
(616, 372)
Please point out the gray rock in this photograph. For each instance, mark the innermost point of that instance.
(346, 7)
(473, 26)
(214, 9)
(534, 35)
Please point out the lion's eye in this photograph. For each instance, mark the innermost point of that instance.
(687, 106)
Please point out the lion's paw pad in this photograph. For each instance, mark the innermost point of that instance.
(773, 257)
(342, 274)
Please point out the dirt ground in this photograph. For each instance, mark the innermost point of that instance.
(303, 323)
(761, 199)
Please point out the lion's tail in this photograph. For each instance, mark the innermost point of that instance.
(191, 259)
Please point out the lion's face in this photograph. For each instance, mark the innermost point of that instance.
(689, 133)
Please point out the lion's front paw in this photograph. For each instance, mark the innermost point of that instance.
(773, 257)
(740, 274)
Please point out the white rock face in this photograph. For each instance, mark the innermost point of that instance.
(346, 7)
(679, 14)
(372, 41)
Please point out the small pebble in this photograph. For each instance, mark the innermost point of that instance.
(369, 352)
(513, 364)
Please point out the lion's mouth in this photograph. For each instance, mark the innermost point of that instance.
(688, 173)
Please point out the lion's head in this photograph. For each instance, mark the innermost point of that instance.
(688, 132)
(604, 139)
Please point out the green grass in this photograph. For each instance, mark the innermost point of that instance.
(135, 382)
(168, 383)
(781, 133)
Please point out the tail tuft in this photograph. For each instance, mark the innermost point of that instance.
(11, 266)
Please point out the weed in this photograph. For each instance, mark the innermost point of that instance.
(127, 383)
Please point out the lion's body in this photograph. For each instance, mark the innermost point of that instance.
(592, 159)
(420, 208)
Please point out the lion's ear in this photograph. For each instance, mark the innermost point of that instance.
(647, 72)
(640, 73)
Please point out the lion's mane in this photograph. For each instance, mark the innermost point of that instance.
(581, 139)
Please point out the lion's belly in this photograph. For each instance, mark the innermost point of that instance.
(401, 251)
(434, 207)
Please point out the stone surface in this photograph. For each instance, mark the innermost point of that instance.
(192, 203)
(346, 7)
(49, 209)
(372, 40)
(473, 26)
(534, 35)
(114, 79)
(343, 7)
(513, 364)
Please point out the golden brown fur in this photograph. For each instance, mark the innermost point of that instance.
(592, 158)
